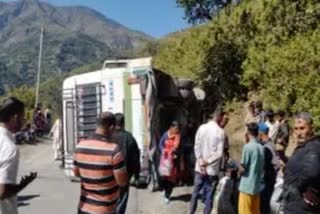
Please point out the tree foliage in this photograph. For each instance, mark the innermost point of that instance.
(198, 11)
(221, 77)
(268, 48)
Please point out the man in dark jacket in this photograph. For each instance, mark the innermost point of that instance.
(271, 168)
(131, 152)
(301, 190)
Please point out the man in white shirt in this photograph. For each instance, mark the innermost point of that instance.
(208, 148)
(11, 121)
(272, 125)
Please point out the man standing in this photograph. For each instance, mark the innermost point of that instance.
(209, 145)
(131, 152)
(11, 120)
(56, 133)
(271, 168)
(48, 116)
(272, 125)
(259, 112)
(251, 170)
(282, 139)
(301, 189)
(252, 115)
(226, 147)
(100, 165)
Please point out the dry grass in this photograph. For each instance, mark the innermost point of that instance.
(236, 131)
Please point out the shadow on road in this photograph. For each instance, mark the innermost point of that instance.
(185, 198)
(22, 200)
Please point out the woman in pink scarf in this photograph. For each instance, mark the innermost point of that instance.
(168, 169)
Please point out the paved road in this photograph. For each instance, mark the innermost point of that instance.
(53, 193)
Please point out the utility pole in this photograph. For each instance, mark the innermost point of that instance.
(39, 70)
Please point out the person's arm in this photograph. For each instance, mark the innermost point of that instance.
(162, 141)
(10, 190)
(245, 161)
(311, 170)
(76, 170)
(134, 153)
(197, 145)
(309, 184)
(216, 154)
(119, 169)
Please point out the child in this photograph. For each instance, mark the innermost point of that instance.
(226, 198)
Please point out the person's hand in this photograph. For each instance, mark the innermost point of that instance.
(26, 180)
(203, 163)
(311, 197)
(203, 170)
(175, 154)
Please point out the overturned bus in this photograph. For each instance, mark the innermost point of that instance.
(150, 100)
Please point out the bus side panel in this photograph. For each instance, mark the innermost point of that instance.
(113, 96)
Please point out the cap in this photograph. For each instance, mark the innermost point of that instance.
(263, 128)
(232, 165)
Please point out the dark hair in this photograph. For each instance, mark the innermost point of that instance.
(120, 120)
(253, 129)
(218, 112)
(106, 119)
(10, 107)
(258, 104)
(281, 113)
(270, 113)
(252, 104)
(175, 124)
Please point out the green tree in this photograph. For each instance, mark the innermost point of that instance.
(197, 11)
(221, 78)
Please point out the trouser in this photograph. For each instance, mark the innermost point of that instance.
(123, 200)
(266, 195)
(249, 204)
(167, 187)
(208, 184)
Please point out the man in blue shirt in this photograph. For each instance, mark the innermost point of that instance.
(252, 171)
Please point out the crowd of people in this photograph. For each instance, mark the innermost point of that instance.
(40, 125)
(265, 180)
(110, 158)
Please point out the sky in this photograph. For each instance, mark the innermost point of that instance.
(153, 17)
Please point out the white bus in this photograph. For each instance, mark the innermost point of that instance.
(149, 99)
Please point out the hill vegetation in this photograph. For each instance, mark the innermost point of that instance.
(268, 48)
(265, 48)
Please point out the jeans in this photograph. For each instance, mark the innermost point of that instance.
(123, 200)
(209, 185)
